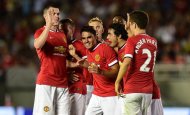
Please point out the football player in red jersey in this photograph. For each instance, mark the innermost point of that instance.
(97, 24)
(77, 82)
(104, 67)
(156, 107)
(116, 38)
(139, 61)
(51, 94)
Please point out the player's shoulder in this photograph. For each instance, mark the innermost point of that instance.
(40, 29)
(106, 48)
(38, 32)
(79, 42)
(104, 45)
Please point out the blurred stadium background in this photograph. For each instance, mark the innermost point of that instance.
(169, 23)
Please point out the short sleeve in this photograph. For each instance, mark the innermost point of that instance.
(129, 49)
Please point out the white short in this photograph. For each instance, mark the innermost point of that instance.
(89, 89)
(78, 105)
(103, 105)
(51, 100)
(156, 107)
(136, 103)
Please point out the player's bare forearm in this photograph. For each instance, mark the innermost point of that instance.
(83, 63)
(123, 69)
(77, 57)
(70, 64)
(112, 72)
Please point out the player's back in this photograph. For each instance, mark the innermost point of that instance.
(142, 49)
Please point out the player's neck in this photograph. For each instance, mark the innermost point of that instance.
(94, 46)
(140, 31)
(54, 28)
(121, 43)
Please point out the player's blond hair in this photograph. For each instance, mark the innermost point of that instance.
(95, 19)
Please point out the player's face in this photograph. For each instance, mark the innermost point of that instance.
(127, 27)
(98, 27)
(56, 16)
(88, 40)
(112, 38)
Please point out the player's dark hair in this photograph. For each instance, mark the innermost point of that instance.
(118, 19)
(119, 29)
(64, 24)
(89, 29)
(125, 16)
(51, 4)
(140, 18)
(67, 21)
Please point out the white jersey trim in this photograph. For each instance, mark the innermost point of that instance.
(96, 46)
(112, 63)
(84, 57)
(128, 55)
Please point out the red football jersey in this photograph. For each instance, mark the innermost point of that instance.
(105, 57)
(139, 78)
(53, 59)
(79, 86)
(121, 52)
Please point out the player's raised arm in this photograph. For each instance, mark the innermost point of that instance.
(40, 41)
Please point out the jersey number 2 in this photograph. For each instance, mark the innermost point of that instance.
(144, 67)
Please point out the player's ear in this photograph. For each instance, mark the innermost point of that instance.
(135, 25)
(119, 36)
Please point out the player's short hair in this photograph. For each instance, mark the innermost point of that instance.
(89, 29)
(140, 18)
(50, 4)
(119, 29)
(118, 19)
(67, 21)
(95, 19)
(64, 24)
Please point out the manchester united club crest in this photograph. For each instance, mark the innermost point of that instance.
(97, 57)
(46, 108)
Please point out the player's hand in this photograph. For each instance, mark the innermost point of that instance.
(93, 68)
(118, 89)
(82, 63)
(72, 50)
(73, 77)
(49, 17)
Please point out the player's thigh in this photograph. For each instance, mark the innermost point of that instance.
(89, 89)
(111, 105)
(132, 104)
(146, 103)
(94, 107)
(157, 107)
(43, 102)
(78, 105)
(63, 103)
